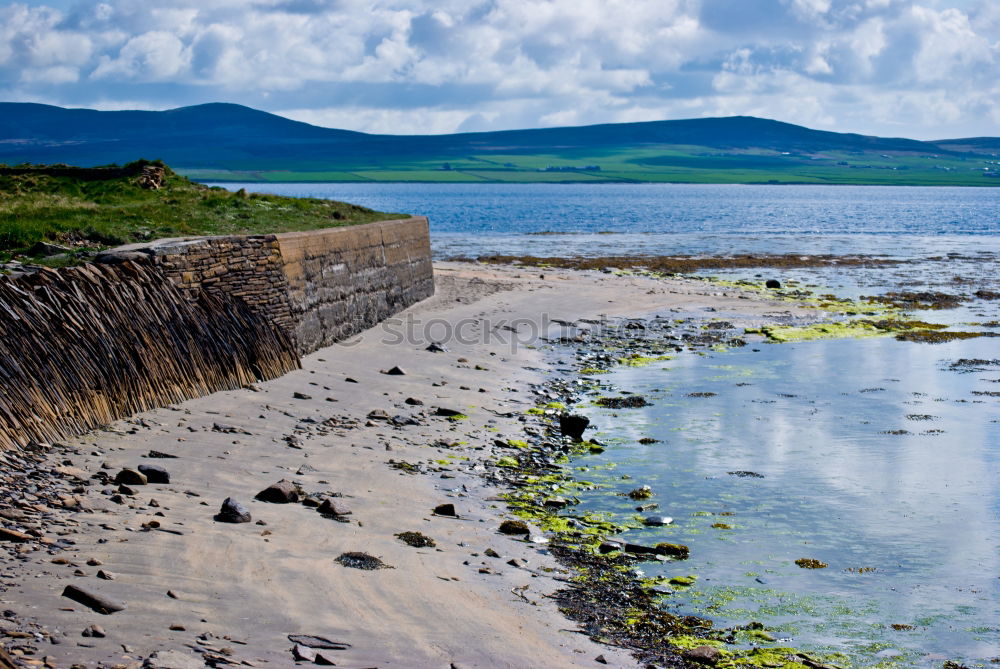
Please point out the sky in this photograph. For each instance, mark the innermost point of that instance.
(926, 69)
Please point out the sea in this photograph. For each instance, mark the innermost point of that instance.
(876, 457)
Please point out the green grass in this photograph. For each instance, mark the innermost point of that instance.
(89, 214)
(658, 164)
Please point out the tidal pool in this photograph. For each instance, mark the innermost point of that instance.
(877, 457)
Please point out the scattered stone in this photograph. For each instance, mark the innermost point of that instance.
(130, 477)
(679, 551)
(628, 402)
(447, 413)
(416, 539)
(435, 347)
(600, 659)
(303, 653)
(310, 641)
(94, 562)
(556, 503)
(105, 575)
(395, 371)
(413, 401)
(228, 429)
(154, 473)
(359, 560)
(514, 527)
(92, 599)
(379, 414)
(706, 655)
(643, 492)
(305, 469)
(446, 510)
(282, 492)
(772, 283)
(159, 454)
(657, 521)
(334, 507)
(649, 440)
(301, 396)
(13, 535)
(324, 660)
(573, 425)
(94, 631)
(489, 552)
(233, 512)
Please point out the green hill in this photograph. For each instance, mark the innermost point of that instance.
(234, 143)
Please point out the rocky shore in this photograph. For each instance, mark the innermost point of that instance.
(363, 511)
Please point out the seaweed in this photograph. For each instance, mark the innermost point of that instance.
(359, 560)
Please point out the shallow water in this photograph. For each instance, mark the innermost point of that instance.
(876, 456)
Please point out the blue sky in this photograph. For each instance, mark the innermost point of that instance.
(916, 68)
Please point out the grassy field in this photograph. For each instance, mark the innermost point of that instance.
(666, 164)
(90, 214)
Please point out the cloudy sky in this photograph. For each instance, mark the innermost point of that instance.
(917, 68)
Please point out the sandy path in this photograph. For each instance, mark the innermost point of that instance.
(249, 585)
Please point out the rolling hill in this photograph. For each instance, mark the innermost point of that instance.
(230, 142)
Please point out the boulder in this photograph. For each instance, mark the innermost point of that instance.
(233, 512)
(131, 477)
(154, 473)
(573, 425)
(282, 492)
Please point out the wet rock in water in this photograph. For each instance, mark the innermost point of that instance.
(318, 642)
(679, 551)
(649, 440)
(395, 371)
(233, 512)
(556, 503)
(706, 655)
(772, 283)
(435, 347)
(154, 473)
(657, 521)
(609, 547)
(334, 507)
(628, 402)
(446, 510)
(130, 477)
(573, 425)
(416, 539)
(301, 396)
(514, 527)
(811, 563)
(643, 492)
(358, 560)
(173, 659)
(743, 474)
(93, 600)
(282, 492)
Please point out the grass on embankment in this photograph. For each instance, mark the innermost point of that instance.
(86, 214)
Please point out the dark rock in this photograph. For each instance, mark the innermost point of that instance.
(154, 473)
(447, 413)
(416, 539)
(514, 527)
(13, 535)
(94, 631)
(233, 512)
(435, 347)
(105, 575)
(93, 600)
(303, 653)
(772, 283)
(395, 371)
(310, 641)
(282, 492)
(46, 249)
(350, 380)
(301, 396)
(358, 560)
(325, 660)
(159, 454)
(743, 474)
(573, 425)
(556, 503)
(131, 477)
(627, 402)
(609, 547)
(413, 401)
(379, 414)
(642, 492)
(706, 655)
(679, 551)
(446, 510)
(334, 507)
(657, 521)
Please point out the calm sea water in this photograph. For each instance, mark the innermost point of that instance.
(878, 457)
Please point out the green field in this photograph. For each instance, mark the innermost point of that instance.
(668, 164)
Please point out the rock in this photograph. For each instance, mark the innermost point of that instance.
(772, 283)
(173, 659)
(94, 631)
(92, 599)
(435, 347)
(378, 414)
(609, 547)
(154, 473)
(447, 413)
(159, 454)
(679, 551)
(13, 535)
(395, 371)
(46, 249)
(301, 396)
(303, 653)
(600, 659)
(556, 503)
(573, 425)
(131, 477)
(105, 575)
(514, 527)
(703, 655)
(642, 492)
(72, 472)
(413, 401)
(446, 510)
(322, 643)
(233, 512)
(282, 492)
(325, 659)
(334, 507)
(657, 521)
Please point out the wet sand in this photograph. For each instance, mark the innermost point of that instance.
(232, 593)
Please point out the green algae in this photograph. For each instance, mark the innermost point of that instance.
(517, 443)
(507, 461)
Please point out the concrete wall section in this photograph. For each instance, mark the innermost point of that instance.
(344, 280)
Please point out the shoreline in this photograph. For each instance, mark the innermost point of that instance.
(232, 593)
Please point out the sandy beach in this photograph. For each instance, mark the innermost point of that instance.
(198, 591)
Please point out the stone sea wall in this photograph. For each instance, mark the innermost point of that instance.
(151, 324)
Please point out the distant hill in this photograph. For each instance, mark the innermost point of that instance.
(228, 141)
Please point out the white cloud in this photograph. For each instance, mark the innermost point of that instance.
(418, 65)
